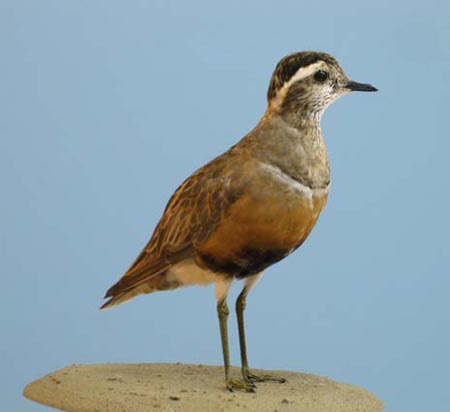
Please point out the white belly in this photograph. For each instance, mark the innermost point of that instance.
(187, 272)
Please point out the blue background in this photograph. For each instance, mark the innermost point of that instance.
(106, 106)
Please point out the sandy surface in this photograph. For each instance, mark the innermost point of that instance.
(189, 388)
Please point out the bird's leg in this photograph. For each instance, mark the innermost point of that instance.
(232, 384)
(248, 376)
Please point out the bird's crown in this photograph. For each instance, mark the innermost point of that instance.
(289, 65)
(307, 82)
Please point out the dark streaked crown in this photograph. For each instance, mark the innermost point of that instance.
(288, 66)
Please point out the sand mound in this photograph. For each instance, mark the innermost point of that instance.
(189, 388)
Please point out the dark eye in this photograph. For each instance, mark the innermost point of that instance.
(320, 76)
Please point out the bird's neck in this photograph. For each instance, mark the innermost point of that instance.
(303, 120)
(303, 126)
(294, 145)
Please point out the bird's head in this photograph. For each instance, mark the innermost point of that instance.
(303, 84)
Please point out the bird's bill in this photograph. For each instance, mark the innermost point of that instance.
(360, 87)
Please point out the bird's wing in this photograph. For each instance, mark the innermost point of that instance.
(192, 213)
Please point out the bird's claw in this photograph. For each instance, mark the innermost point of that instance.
(251, 377)
(242, 385)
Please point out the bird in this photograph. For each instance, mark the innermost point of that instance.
(251, 206)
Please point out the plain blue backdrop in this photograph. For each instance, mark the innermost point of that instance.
(106, 106)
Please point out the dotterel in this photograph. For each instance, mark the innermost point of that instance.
(251, 206)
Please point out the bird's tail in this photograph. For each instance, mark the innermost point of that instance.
(123, 297)
(146, 275)
(144, 279)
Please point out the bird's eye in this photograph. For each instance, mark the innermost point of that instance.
(320, 76)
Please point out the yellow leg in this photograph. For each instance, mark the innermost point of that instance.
(248, 376)
(231, 384)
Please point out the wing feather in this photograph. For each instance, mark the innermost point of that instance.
(191, 215)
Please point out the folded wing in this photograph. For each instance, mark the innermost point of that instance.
(191, 215)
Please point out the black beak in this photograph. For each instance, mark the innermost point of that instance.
(360, 87)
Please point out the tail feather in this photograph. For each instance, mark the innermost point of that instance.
(141, 278)
(131, 284)
(136, 277)
(126, 296)
(116, 300)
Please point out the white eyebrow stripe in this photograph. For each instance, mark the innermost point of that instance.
(300, 74)
(303, 72)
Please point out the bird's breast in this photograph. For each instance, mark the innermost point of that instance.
(270, 219)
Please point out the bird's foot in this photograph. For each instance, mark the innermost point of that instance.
(241, 385)
(251, 377)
